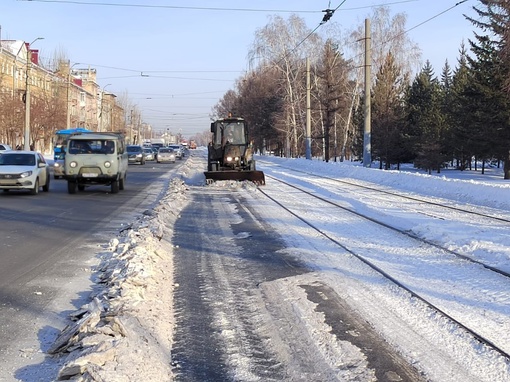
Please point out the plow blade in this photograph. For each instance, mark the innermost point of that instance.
(256, 177)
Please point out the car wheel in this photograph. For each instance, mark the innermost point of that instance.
(81, 187)
(46, 187)
(56, 177)
(35, 190)
(115, 186)
(71, 187)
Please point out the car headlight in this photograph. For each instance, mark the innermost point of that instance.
(138, 155)
(25, 174)
(73, 164)
(56, 164)
(107, 164)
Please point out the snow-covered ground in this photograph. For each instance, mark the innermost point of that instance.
(135, 286)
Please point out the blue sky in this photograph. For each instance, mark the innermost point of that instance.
(193, 56)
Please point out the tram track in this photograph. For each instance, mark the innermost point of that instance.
(482, 338)
(466, 209)
(401, 231)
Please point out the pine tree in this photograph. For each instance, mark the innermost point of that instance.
(426, 122)
(446, 104)
(458, 114)
(491, 73)
(387, 113)
(332, 95)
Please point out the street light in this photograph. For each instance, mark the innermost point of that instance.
(27, 96)
(101, 111)
(68, 110)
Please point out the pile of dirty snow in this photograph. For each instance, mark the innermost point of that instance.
(129, 319)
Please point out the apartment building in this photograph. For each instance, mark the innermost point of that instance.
(60, 97)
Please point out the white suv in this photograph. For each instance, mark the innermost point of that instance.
(4, 147)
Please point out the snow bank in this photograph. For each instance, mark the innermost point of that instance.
(130, 317)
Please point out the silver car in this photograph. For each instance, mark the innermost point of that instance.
(149, 154)
(24, 170)
(178, 151)
(165, 154)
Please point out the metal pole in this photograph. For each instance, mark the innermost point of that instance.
(367, 155)
(308, 113)
(68, 110)
(101, 117)
(27, 96)
(27, 102)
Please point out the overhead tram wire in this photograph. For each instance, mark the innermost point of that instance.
(327, 16)
(406, 31)
(77, 2)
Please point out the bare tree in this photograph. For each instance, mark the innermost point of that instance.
(284, 45)
(228, 104)
(388, 35)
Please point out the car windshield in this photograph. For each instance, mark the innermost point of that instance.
(164, 150)
(17, 160)
(134, 149)
(91, 146)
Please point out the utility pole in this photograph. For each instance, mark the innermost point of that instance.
(367, 147)
(308, 142)
(131, 128)
(68, 109)
(101, 116)
(27, 96)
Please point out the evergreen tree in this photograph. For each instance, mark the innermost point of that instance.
(331, 91)
(387, 113)
(446, 104)
(458, 114)
(488, 118)
(491, 73)
(426, 122)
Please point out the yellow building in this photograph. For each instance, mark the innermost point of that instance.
(60, 98)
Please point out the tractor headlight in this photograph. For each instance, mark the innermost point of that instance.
(229, 159)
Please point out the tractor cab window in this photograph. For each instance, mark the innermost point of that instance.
(233, 133)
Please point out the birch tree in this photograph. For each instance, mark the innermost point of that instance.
(284, 46)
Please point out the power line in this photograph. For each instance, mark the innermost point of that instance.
(412, 28)
(107, 4)
(76, 2)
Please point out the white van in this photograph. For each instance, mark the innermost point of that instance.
(96, 158)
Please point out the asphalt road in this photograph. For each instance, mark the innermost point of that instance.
(48, 244)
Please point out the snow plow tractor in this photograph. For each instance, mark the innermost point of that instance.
(230, 153)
